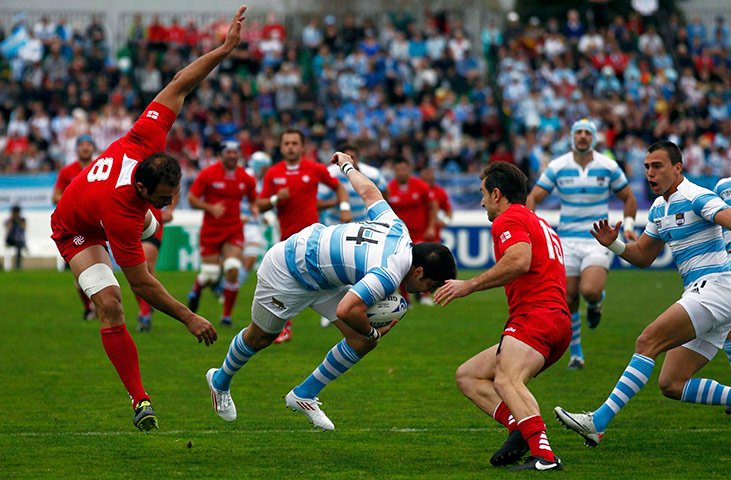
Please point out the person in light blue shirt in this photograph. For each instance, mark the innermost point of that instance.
(723, 190)
(688, 219)
(584, 179)
(338, 271)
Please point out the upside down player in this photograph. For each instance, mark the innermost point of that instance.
(338, 271)
(530, 266)
(85, 154)
(110, 200)
(723, 190)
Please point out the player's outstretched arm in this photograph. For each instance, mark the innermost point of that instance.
(173, 95)
(515, 262)
(535, 197)
(148, 287)
(640, 253)
(363, 186)
(723, 218)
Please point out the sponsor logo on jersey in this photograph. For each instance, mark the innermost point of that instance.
(505, 236)
(79, 240)
(153, 114)
(277, 303)
(726, 194)
(680, 218)
(279, 181)
(510, 329)
(218, 185)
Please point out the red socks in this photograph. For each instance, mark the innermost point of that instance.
(534, 432)
(145, 308)
(122, 351)
(197, 287)
(503, 415)
(230, 291)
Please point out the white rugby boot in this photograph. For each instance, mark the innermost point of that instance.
(223, 404)
(581, 423)
(310, 408)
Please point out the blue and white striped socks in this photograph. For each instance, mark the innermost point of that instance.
(238, 354)
(575, 345)
(632, 380)
(338, 360)
(706, 392)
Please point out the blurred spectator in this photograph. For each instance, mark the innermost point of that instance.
(15, 234)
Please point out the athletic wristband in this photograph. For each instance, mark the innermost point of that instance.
(344, 207)
(374, 335)
(617, 247)
(346, 167)
(150, 230)
(274, 199)
(629, 224)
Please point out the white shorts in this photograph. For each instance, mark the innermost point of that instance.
(254, 241)
(708, 305)
(274, 305)
(580, 253)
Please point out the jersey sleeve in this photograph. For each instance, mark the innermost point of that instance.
(618, 180)
(325, 177)
(506, 232)
(62, 181)
(380, 182)
(547, 180)
(267, 189)
(651, 229)
(149, 133)
(381, 211)
(377, 284)
(707, 205)
(444, 202)
(123, 228)
(198, 188)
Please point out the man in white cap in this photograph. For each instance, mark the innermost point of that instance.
(584, 179)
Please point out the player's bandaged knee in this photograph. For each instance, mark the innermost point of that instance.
(231, 264)
(210, 272)
(96, 278)
(151, 229)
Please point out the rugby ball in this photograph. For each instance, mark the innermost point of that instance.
(381, 313)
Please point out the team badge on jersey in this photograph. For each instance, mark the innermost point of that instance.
(504, 236)
(153, 114)
(305, 178)
(680, 218)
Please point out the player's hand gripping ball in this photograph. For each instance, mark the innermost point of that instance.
(390, 308)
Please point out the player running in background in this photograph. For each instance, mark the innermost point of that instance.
(338, 271)
(290, 186)
(218, 190)
(444, 206)
(412, 201)
(686, 217)
(84, 153)
(151, 247)
(584, 178)
(529, 264)
(110, 200)
(326, 198)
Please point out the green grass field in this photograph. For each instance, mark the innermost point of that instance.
(398, 414)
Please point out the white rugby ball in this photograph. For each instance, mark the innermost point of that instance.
(381, 313)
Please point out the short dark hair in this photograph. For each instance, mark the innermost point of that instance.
(436, 260)
(158, 168)
(673, 151)
(507, 178)
(401, 160)
(347, 146)
(290, 131)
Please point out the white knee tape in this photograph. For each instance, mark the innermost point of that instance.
(210, 272)
(231, 264)
(97, 277)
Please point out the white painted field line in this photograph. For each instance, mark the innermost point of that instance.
(309, 430)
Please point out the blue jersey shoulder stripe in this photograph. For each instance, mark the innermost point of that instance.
(336, 253)
(701, 200)
(312, 260)
(681, 206)
(621, 186)
(392, 239)
(600, 172)
(378, 209)
(289, 256)
(567, 173)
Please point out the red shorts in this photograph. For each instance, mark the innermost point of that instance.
(548, 331)
(212, 238)
(69, 246)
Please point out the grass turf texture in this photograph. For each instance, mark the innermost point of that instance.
(397, 413)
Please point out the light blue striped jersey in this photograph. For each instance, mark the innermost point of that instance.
(723, 190)
(685, 223)
(372, 256)
(331, 216)
(584, 192)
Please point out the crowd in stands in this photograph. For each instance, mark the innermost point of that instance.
(432, 93)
